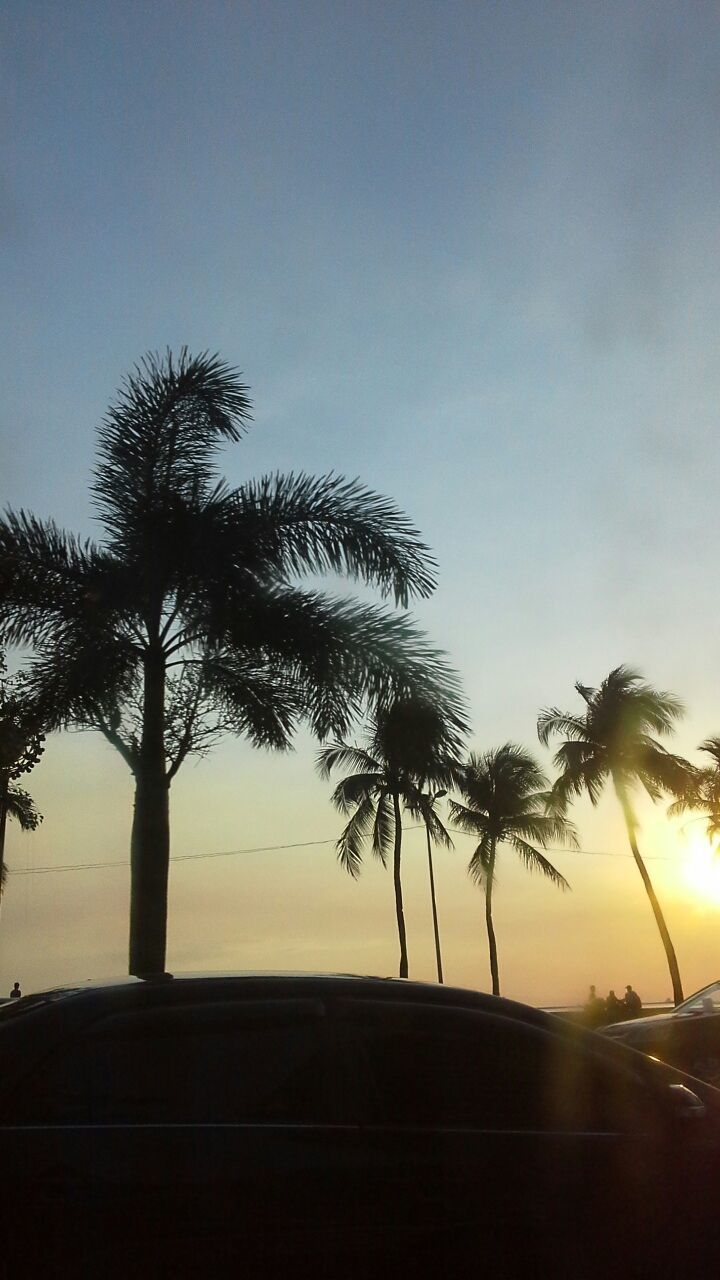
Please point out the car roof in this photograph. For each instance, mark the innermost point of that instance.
(125, 990)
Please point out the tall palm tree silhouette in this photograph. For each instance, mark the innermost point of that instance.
(506, 803)
(185, 622)
(613, 740)
(410, 745)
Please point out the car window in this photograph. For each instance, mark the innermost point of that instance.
(187, 1065)
(415, 1066)
(707, 1001)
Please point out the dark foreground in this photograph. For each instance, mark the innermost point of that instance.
(336, 1126)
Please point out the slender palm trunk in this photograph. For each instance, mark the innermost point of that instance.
(150, 840)
(657, 911)
(492, 945)
(398, 888)
(4, 792)
(436, 930)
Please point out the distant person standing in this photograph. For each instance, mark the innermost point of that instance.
(615, 1008)
(632, 1002)
(16, 993)
(594, 1009)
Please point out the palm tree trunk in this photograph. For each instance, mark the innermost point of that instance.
(4, 792)
(150, 840)
(436, 930)
(398, 888)
(494, 974)
(657, 911)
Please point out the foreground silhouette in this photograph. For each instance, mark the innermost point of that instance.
(184, 623)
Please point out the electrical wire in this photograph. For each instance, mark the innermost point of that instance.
(277, 848)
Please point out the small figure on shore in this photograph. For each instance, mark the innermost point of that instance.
(594, 1009)
(16, 993)
(615, 1008)
(632, 1002)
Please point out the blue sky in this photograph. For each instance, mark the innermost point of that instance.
(466, 251)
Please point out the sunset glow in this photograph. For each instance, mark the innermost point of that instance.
(701, 868)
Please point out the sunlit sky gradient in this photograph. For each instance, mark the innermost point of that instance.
(469, 252)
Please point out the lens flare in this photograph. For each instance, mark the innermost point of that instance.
(701, 868)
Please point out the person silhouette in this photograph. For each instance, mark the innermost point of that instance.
(594, 1008)
(615, 1007)
(632, 1002)
(16, 993)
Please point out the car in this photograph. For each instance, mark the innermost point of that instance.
(686, 1037)
(335, 1125)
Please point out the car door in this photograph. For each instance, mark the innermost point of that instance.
(482, 1137)
(188, 1130)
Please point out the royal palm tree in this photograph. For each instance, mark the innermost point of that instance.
(613, 740)
(702, 790)
(186, 621)
(410, 746)
(506, 802)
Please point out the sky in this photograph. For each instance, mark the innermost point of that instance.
(468, 252)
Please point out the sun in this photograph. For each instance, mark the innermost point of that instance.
(701, 868)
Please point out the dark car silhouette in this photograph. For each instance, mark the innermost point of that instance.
(335, 1126)
(686, 1037)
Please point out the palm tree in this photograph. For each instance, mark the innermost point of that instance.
(506, 802)
(612, 740)
(185, 622)
(409, 745)
(17, 804)
(702, 790)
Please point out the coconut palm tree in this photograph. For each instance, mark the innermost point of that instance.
(702, 790)
(187, 620)
(17, 804)
(613, 740)
(506, 802)
(410, 745)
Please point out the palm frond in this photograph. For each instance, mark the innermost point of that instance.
(534, 860)
(468, 820)
(479, 864)
(337, 653)
(252, 698)
(383, 828)
(439, 833)
(327, 524)
(160, 437)
(544, 827)
(343, 755)
(552, 721)
(21, 807)
(354, 837)
(350, 791)
(47, 579)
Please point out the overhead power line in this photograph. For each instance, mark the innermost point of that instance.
(278, 848)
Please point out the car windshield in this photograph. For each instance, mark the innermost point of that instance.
(705, 1001)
